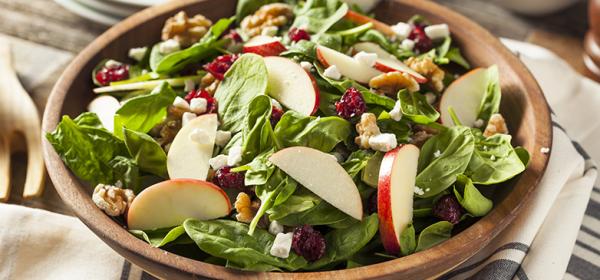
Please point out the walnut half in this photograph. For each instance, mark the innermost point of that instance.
(390, 83)
(366, 128)
(426, 67)
(112, 200)
(245, 207)
(268, 16)
(184, 29)
(496, 125)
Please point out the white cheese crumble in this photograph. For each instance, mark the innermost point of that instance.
(269, 31)
(332, 72)
(437, 154)
(402, 30)
(275, 228)
(198, 105)
(137, 54)
(276, 104)
(112, 63)
(282, 245)
(408, 44)
(419, 191)
(493, 157)
(200, 136)
(366, 58)
(218, 162)
(383, 142)
(222, 138)
(306, 65)
(396, 112)
(545, 150)
(478, 123)
(186, 118)
(235, 156)
(169, 46)
(189, 85)
(181, 103)
(437, 31)
(430, 97)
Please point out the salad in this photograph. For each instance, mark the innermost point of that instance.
(296, 136)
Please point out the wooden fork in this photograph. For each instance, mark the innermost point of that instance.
(18, 114)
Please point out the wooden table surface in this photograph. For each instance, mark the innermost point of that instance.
(45, 23)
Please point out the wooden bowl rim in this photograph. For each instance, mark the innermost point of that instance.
(468, 242)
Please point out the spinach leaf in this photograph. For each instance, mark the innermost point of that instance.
(471, 199)
(127, 172)
(294, 204)
(207, 46)
(455, 56)
(321, 214)
(248, 7)
(343, 243)
(228, 240)
(400, 128)
(377, 37)
(332, 19)
(303, 50)
(87, 148)
(259, 170)
(356, 162)
(408, 242)
(269, 194)
(415, 107)
(494, 160)
(146, 153)
(257, 133)
(327, 102)
(246, 79)
(491, 102)
(155, 56)
(523, 155)
(433, 235)
(442, 158)
(161, 237)
(142, 113)
(294, 129)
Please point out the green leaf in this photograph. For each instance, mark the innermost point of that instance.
(408, 242)
(161, 237)
(471, 199)
(495, 160)
(433, 235)
(400, 128)
(127, 172)
(246, 79)
(356, 162)
(294, 204)
(442, 158)
(257, 133)
(269, 193)
(455, 56)
(491, 102)
(305, 50)
(331, 20)
(142, 113)
(370, 174)
(415, 107)
(228, 240)
(322, 213)
(294, 129)
(260, 170)
(147, 153)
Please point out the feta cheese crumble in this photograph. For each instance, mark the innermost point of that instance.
(430, 97)
(437, 154)
(419, 191)
(112, 63)
(282, 245)
(332, 73)
(545, 150)
(198, 105)
(478, 123)
(186, 118)
(275, 228)
(222, 138)
(306, 65)
(218, 162)
(402, 30)
(366, 58)
(235, 156)
(137, 54)
(493, 157)
(169, 46)
(396, 112)
(437, 31)
(383, 142)
(189, 85)
(200, 136)
(407, 44)
(181, 103)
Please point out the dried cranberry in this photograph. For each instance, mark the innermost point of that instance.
(372, 203)
(220, 65)
(448, 209)
(226, 179)
(297, 34)
(211, 102)
(309, 243)
(351, 104)
(422, 43)
(233, 35)
(106, 75)
(276, 114)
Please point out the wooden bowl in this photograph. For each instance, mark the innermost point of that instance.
(523, 105)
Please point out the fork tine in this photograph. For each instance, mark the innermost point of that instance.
(4, 168)
(34, 182)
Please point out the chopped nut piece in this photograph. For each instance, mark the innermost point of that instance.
(422, 134)
(245, 207)
(426, 67)
(207, 80)
(267, 17)
(496, 125)
(366, 128)
(185, 30)
(390, 83)
(112, 200)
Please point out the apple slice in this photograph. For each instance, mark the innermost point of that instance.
(323, 175)
(105, 107)
(464, 95)
(395, 194)
(386, 62)
(377, 25)
(264, 45)
(171, 202)
(347, 65)
(292, 86)
(188, 158)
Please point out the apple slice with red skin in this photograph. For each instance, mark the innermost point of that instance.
(395, 192)
(360, 19)
(264, 46)
(291, 85)
(464, 95)
(346, 65)
(323, 175)
(171, 202)
(386, 62)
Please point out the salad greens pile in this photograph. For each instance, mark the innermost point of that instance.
(458, 167)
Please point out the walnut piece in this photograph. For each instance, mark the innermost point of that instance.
(267, 17)
(366, 128)
(496, 125)
(184, 29)
(390, 83)
(245, 207)
(426, 67)
(112, 200)
(421, 135)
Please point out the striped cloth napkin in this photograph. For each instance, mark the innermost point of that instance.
(537, 245)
